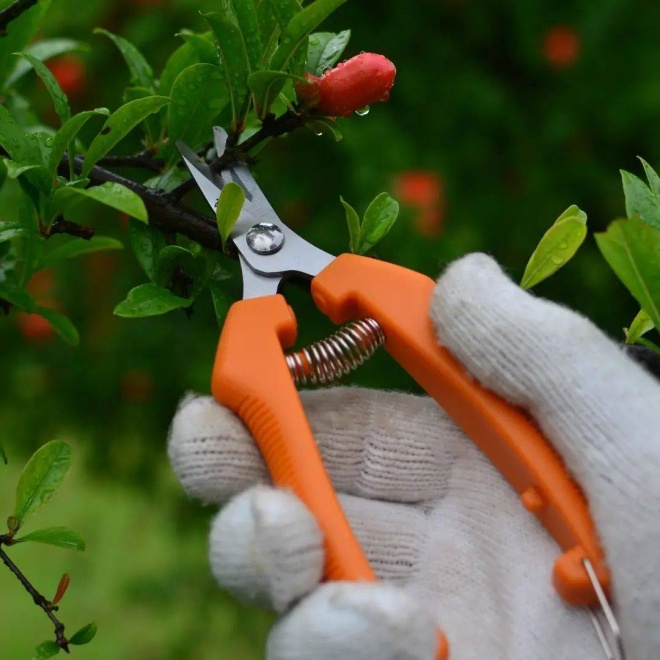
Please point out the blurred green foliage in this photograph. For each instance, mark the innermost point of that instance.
(515, 124)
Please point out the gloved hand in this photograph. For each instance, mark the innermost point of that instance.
(437, 521)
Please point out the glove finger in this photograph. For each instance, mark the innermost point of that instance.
(381, 445)
(355, 620)
(597, 407)
(266, 548)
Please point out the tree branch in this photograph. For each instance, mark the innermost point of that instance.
(39, 599)
(144, 160)
(165, 211)
(11, 13)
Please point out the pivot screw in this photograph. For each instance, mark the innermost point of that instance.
(265, 238)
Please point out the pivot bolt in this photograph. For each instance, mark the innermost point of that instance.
(265, 238)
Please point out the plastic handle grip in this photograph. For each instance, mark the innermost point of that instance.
(399, 299)
(251, 378)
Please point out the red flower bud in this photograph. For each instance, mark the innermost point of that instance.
(364, 79)
(69, 71)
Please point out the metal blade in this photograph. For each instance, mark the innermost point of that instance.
(208, 182)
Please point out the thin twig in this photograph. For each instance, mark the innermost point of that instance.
(12, 12)
(144, 160)
(39, 599)
(272, 127)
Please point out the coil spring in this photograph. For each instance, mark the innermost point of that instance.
(335, 356)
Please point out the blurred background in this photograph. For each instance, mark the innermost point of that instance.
(503, 114)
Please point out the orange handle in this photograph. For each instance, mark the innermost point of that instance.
(251, 378)
(399, 299)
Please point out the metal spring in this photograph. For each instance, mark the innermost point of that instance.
(335, 356)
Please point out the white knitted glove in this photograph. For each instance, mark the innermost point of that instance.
(436, 520)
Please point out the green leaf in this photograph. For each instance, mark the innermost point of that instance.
(119, 125)
(284, 10)
(84, 636)
(151, 125)
(149, 300)
(60, 99)
(168, 180)
(197, 50)
(45, 650)
(632, 249)
(198, 95)
(43, 50)
(17, 297)
(114, 195)
(234, 64)
(378, 220)
(640, 200)
(41, 477)
(266, 85)
(229, 208)
(147, 243)
(353, 221)
(299, 28)
(76, 247)
(15, 142)
(61, 324)
(324, 50)
(654, 179)
(59, 536)
(14, 170)
(222, 301)
(141, 73)
(67, 133)
(246, 15)
(19, 32)
(642, 341)
(640, 326)
(321, 127)
(7, 232)
(555, 249)
(270, 30)
(573, 211)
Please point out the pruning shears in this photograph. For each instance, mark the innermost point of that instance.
(388, 305)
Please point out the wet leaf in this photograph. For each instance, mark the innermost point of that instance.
(198, 95)
(640, 200)
(198, 49)
(266, 85)
(299, 28)
(109, 194)
(67, 133)
(119, 125)
(632, 249)
(141, 72)
(149, 300)
(76, 247)
(15, 142)
(43, 50)
(41, 478)
(60, 99)
(14, 170)
(147, 243)
(324, 50)
(234, 64)
(222, 301)
(378, 220)
(59, 536)
(246, 15)
(229, 208)
(555, 249)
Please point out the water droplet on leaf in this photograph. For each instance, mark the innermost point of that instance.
(362, 112)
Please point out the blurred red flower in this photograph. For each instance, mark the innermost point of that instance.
(421, 190)
(70, 73)
(561, 46)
